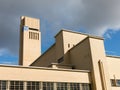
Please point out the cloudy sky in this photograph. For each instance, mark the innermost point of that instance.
(97, 17)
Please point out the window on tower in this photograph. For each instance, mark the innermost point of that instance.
(34, 35)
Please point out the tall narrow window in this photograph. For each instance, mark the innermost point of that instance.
(86, 86)
(74, 86)
(61, 86)
(68, 45)
(33, 35)
(48, 86)
(33, 85)
(3, 85)
(16, 85)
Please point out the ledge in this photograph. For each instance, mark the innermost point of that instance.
(45, 68)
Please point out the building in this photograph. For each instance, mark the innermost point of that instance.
(76, 61)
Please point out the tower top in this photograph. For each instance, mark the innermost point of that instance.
(31, 23)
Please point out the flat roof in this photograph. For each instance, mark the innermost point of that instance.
(29, 17)
(44, 68)
(92, 36)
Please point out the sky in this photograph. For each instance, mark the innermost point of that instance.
(96, 17)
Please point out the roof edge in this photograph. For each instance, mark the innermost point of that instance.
(92, 36)
(44, 68)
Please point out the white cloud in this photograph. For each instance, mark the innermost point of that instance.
(3, 51)
(94, 16)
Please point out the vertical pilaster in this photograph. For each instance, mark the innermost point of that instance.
(81, 88)
(25, 85)
(54, 86)
(8, 85)
(41, 85)
(68, 86)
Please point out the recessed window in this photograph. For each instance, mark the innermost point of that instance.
(34, 35)
(118, 83)
(38, 85)
(3, 85)
(33, 85)
(74, 86)
(61, 86)
(16, 85)
(68, 45)
(86, 86)
(115, 82)
(48, 86)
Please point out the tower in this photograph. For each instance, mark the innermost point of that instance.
(30, 40)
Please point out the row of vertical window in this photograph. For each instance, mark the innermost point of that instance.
(33, 35)
(30, 85)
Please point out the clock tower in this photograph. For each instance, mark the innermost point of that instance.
(30, 40)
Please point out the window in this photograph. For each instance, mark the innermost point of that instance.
(85, 86)
(16, 85)
(68, 45)
(33, 35)
(118, 83)
(115, 82)
(61, 86)
(74, 86)
(48, 86)
(36, 85)
(3, 85)
(33, 86)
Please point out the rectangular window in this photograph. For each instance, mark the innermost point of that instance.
(86, 86)
(33, 35)
(118, 83)
(16, 85)
(115, 82)
(33, 85)
(68, 45)
(74, 86)
(61, 86)
(3, 85)
(48, 86)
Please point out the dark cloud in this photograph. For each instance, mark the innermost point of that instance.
(93, 16)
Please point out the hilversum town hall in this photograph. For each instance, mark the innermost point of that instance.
(76, 61)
